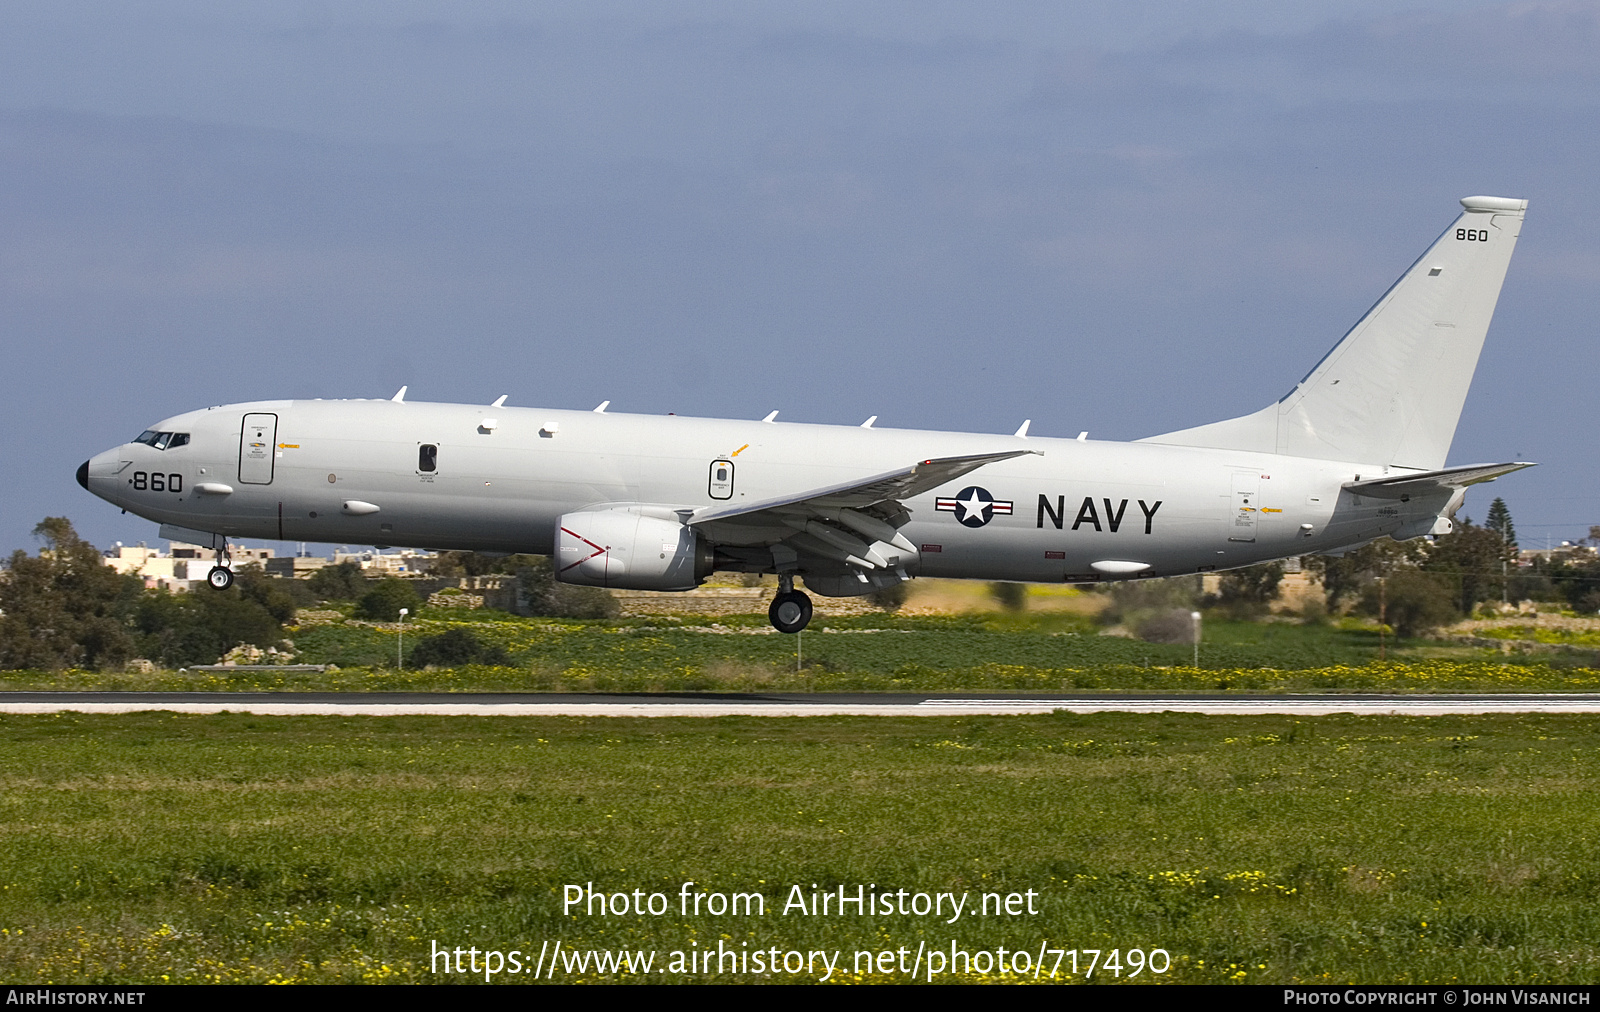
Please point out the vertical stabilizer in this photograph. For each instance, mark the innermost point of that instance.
(1391, 390)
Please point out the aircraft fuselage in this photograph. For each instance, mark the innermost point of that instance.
(498, 479)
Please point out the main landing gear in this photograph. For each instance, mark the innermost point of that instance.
(221, 577)
(791, 609)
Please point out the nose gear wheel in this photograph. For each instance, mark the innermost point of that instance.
(221, 577)
(790, 611)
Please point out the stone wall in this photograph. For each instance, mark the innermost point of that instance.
(500, 592)
(727, 601)
(497, 590)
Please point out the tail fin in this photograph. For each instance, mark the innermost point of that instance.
(1390, 392)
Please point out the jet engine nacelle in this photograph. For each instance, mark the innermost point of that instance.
(629, 549)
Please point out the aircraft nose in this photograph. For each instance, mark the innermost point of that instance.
(92, 473)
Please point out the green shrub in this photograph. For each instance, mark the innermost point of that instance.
(542, 594)
(64, 607)
(890, 598)
(343, 582)
(199, 627)
(1012, 596)
(1414, 603)
(1247, 593)
(383, 602)
(454, 648)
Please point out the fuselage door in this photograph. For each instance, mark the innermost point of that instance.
(720, 484)
(1246, 506)
(257, 449)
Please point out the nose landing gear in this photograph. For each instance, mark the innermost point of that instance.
(791, 610)
(221, 577)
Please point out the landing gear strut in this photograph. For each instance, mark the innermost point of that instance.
(221, 577)
(791, 609)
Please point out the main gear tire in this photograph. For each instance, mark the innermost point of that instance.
(790, 612)
(220, 577)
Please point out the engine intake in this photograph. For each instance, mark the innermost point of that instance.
(628, 549)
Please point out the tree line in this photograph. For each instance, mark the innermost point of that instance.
(1413, 587)
(65, 608)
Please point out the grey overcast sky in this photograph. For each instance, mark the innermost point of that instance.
(1113, 216)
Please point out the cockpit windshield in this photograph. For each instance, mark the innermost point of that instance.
(163, 440)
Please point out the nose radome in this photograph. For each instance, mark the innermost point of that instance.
(83, 474)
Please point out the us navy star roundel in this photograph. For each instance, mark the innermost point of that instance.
(974, 506)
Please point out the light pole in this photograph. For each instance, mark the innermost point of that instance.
(400, 647)
(1194, 617)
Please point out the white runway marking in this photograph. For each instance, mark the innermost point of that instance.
(1302, 706)
(1422, 706)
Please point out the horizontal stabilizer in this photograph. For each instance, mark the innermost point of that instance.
(1404, 486)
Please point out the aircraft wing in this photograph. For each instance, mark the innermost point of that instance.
(853, 522)
(1404, 486)
(902, 484)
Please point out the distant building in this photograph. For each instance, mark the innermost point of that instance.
(178, 568)
(296, 567)
(184, 564)
(1529, 556)
(406, 562)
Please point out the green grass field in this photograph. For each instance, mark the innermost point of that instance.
(1041, 651)
(157, 847)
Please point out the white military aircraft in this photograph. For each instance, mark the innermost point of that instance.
(1354, 452)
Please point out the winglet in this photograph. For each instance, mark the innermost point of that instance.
(400, 395)
(1022, 431)
(600, 408)
(771, 417)
(500, 402)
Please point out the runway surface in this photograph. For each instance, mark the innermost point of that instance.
(376, 704)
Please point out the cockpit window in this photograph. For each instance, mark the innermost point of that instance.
(163, 440)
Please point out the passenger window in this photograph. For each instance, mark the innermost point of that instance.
(427, 458)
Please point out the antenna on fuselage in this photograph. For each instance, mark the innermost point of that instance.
(1022, 431)
(500, 402)
(400, 395)
(868, 423)
(600, 408)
